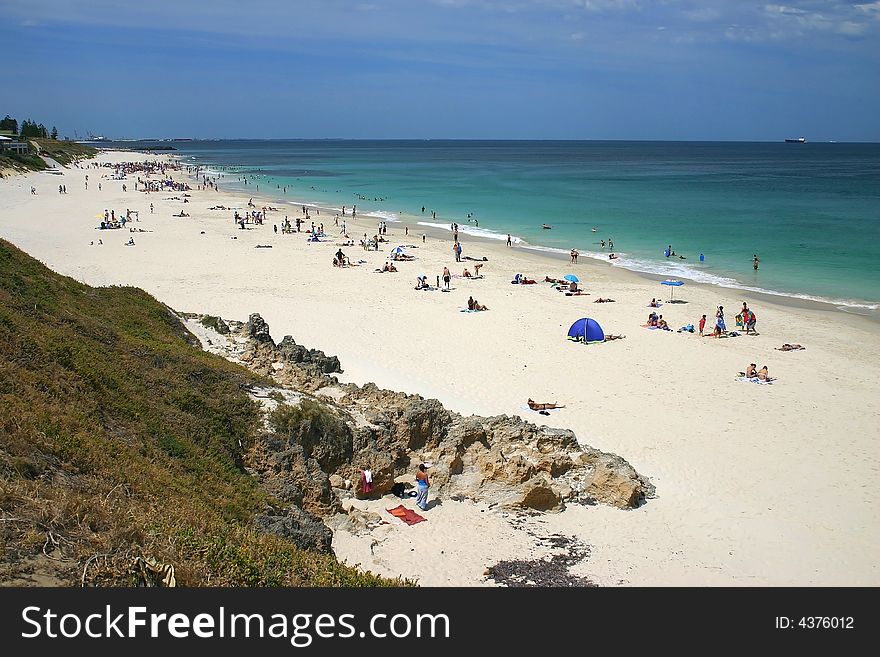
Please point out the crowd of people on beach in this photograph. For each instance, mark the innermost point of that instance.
(568, 285)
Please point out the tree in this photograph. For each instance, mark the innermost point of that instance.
(43, 132)
(29, 129)
(9, 124)
(54, 134)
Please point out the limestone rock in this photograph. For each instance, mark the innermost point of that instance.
(258, 329)
(502, 460)
(299, 527)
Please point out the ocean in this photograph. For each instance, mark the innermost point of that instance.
(810, 212)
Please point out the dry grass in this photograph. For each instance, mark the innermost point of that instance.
(120, 438)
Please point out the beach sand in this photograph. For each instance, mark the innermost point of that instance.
(756, 484)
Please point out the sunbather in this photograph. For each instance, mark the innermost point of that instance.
(790, 347)
(763, 374)
(609, 338)
(751, 371)
(603, 300)
(535, 406)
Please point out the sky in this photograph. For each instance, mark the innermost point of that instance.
(445, 69)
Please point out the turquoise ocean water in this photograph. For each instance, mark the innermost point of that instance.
(811, 212)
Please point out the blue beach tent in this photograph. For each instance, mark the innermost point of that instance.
(586, 330)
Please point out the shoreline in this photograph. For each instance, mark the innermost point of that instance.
(856, 308)
(756, 485)
(780, 299)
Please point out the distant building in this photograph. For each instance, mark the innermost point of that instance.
(8, 142)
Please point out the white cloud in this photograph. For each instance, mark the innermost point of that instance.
(601, 6)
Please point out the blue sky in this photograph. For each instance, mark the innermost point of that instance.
(468, 69)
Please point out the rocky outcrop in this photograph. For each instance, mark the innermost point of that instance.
(258, 330)
(300, 527)
(501, 460)
(290, 352)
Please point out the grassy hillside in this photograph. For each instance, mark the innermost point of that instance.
(65, 152)
(23, 163)
(119, 438)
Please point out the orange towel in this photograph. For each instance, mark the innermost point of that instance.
(408, 516)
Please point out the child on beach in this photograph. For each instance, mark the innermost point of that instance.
(702, 324)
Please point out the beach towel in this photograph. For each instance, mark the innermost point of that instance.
(409, 516)
(465, 310)
(754, 379)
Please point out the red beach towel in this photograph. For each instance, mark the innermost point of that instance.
(408, 516)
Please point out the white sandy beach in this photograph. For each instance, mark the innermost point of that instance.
(756, 484)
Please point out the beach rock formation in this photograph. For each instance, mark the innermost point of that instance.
(258, 330)
(298, 526)
(336, 431)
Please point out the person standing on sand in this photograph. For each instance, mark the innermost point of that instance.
(508, 239)
(446, 277)
(702, 324)
(424, 237)
(422, 485)
(719, 321)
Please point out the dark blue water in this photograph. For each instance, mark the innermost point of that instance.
(811, 212)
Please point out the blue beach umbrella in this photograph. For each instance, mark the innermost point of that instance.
(572, 278)
(673, 285)
(397, 250)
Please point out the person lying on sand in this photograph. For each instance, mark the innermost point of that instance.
(789, 347)
(547, 279)
(523, 280)
(182, 214)
(603, 300)
(535, 406)
(609, 338)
